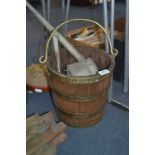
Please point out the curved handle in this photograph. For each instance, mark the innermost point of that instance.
(113, 52)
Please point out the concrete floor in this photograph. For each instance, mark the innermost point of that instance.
(111, 135)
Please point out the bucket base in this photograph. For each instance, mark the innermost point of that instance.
(80, 121)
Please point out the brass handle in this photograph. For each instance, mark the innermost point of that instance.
(113, 52)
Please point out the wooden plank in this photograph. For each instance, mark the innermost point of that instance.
(35, 124)
(59, 139)
(48, 119)
(37, 146)
(32, 119)
(50, 135)
(34, 142)
(39, 140)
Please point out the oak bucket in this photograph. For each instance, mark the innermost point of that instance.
(80, 100)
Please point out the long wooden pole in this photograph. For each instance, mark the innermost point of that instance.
(62, 39)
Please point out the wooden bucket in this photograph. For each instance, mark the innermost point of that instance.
(80, 100)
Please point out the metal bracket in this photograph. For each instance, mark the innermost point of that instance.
(119, 105)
